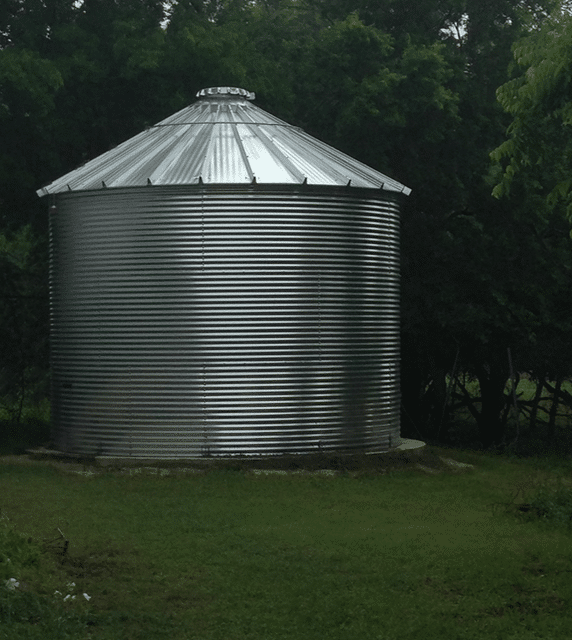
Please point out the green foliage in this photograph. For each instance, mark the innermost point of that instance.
(407, 88)
(26, 610)
(535, 155)
(136, 51)
(27, 83)
(24, 321)
(16, 553)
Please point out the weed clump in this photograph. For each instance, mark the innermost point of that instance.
(554, 504)
(26, 611)
(16, 552)
(550, 503)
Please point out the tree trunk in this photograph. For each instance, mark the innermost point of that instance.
(412, 414)
(535, 404)
(438, 400)
(492, 382)
(554, 410)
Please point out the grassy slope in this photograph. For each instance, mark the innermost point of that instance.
(232, 555)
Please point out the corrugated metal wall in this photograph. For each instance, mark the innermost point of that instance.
(191, 321)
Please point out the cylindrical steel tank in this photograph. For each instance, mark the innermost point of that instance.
(200, 308)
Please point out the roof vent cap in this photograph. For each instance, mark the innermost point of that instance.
(215, 92)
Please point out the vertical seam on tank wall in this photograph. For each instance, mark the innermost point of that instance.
(51, 224)
(320, 316)
(205, 434)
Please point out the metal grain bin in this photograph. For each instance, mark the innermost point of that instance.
(224, 284)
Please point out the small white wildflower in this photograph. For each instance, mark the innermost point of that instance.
(67, 598)
(57, 593)
(88, 598)
(12, 584)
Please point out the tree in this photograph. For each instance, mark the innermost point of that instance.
(463, 298)
(409, 91)
(390, 104)
(537, 152)
(28, 86)
(23, 320)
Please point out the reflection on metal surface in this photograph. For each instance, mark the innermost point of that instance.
(192, 321)
(222, 139)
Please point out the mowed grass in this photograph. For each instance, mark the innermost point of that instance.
(229, 554)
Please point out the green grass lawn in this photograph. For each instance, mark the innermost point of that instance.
(230, 554)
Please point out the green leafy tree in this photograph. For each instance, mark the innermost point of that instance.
(475, 324)
(531, 169)
(390, 104)
(109, 56)
(28, 86)
(536, 153)
(23, 320)
(408, 89)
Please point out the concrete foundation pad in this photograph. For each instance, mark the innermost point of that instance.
(410, 446)
(408, 454)
(406, 448)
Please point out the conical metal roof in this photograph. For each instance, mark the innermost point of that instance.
(222, 139)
